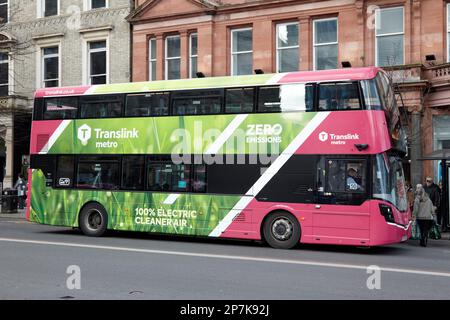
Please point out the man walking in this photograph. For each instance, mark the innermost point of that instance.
(433, 191)
(21, 187)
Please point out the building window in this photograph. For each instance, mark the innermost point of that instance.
(325, 44)
(152, 59)
(49, 8)
(3, 11)
(4, 74)
(50, 67)
(448, 32)
(173, 57)
(241, 51)
(193, 54)
(389, 31)
(441, 140)
(96, 4)
(97, 62)
(287, 47)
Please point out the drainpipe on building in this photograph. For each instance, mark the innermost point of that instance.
(416, 148)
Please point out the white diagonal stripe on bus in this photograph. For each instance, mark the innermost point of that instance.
(226, 134)
(275, 79)
(269, 173)
(171, 198)
(55, 136)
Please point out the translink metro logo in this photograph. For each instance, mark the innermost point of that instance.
(323, 136)
(103, 136)
(84, 134)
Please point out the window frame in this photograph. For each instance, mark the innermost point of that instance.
(89, 5)
(233, 53)
(192, 56)
(278, 49)
(6, 4)
(377, 14)
(166, 58)
(7, 61)
(49, 56)
(315, 45)
(152, 60)
(89, 60)
(41, 9)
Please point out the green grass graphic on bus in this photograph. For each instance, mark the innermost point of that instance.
(255, 134)
(190, 214)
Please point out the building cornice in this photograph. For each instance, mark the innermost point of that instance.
(87, 17)
(47, 36)
(134, 18)
(97, 29)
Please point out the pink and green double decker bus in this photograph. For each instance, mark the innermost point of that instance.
(301, 157)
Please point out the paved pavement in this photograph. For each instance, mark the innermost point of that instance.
(34, 261)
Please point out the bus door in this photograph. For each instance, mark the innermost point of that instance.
(340, 210)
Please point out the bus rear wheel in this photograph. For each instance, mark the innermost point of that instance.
(93, 220)
(281, 230)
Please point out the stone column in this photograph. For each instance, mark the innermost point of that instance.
(416, 148)
(160, 61)
(184, 51)
(7, 120)
(262, 46)
(205, 49)
(305, 55)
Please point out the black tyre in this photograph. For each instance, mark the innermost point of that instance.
(93, 220)
(281, 230)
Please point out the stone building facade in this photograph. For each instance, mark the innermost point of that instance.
(47, 43)
(410, 38)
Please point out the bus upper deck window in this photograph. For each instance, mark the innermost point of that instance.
(297, 97)
(101, 106)
(197, 102)
(269, 99)
(147, 105)
(60, 108)
(338, 96)
(371, 94)
(239, 100)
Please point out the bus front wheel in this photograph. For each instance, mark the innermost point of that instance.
(93, 220)
(281, 230)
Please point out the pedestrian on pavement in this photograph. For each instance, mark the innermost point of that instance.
(21, 187)
(409, 195)
(433, 191)
(424, 213)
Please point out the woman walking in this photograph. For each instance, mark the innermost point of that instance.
(423, 212)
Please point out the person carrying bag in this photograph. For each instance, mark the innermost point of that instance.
(423, 213)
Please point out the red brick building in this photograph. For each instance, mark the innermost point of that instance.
(178, 38)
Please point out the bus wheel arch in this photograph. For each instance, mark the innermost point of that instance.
(93, 219)
(281, 229)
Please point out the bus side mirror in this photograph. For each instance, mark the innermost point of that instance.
(361, 147)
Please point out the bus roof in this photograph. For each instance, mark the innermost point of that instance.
(347, 74)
